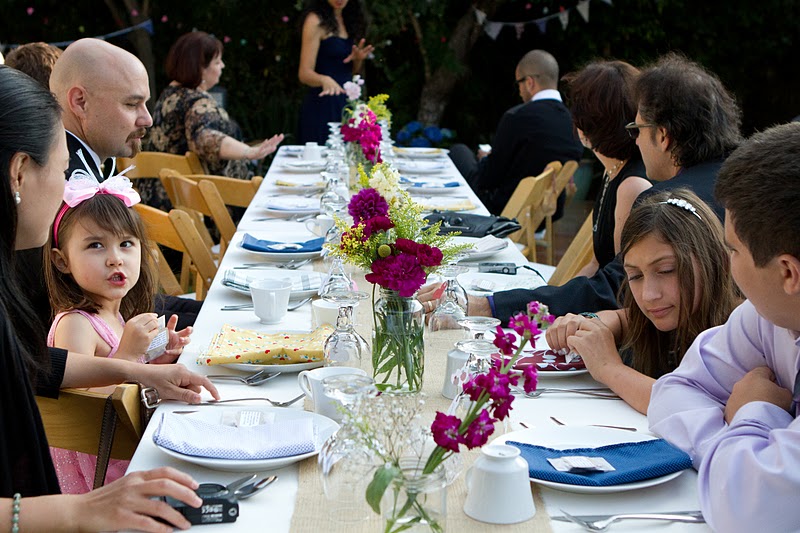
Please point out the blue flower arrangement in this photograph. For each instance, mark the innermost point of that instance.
(414, 134)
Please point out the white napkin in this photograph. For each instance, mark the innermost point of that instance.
(305, 163)
(488, 243)
(191, 436)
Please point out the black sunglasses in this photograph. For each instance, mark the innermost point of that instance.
(633, 128)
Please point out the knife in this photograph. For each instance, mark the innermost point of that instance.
(593, 517)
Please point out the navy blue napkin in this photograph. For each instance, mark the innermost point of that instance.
(427, 184)
(634, 461)
(260, 245)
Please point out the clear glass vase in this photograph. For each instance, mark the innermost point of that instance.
(398, 348)
(415, 501)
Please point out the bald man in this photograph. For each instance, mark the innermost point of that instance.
(103, 90)
(528, 136)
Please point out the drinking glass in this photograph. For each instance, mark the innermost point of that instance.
(337, 279)
(453, 304)
(345, 347)
(477, 326)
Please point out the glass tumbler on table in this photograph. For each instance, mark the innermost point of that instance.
(345, 347)
(453, 304)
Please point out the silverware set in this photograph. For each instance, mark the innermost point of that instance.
(294, 264)
(255, 399)
(603, 522)
(262, 376)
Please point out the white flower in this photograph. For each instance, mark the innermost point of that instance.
(386, 181)
(353, 90)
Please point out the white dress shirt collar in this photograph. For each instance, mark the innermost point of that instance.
(547, 94)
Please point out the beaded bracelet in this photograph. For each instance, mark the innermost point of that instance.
(587, 314)
(15, 513)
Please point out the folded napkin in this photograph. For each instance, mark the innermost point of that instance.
(418, 184)
(445, 204)
(191, 436)
(549, 361)
(260, 245)
(292, 203)
(239, 345)
(633, 461)
(301, 281)
(305, 163)
(490, 243)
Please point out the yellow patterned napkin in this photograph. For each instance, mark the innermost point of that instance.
(299, 183)
(238, 345)
(445, 204)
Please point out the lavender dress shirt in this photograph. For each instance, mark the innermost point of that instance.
(749, 471)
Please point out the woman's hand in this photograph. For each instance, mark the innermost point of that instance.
(330, 87)
(173, 382)
(360, 52)
(563, 328)
(429, 296)
(127, 504)
(265, 148)
(137, 335)
(177, 340)
(594, 342)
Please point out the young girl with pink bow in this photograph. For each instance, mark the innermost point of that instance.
(102, 280)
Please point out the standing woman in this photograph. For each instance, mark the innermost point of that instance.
(601, 103)
(329, 58)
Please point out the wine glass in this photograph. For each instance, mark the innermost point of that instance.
(480, 355)
(345, 347)
(335, 199)
(453, 304)
(337, 279)
(477, 326)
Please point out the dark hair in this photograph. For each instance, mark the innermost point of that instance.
(30, 121)
(354, 20)
(190, 54)
(696, 242)
(109, 213)
(36, 60)
(601, 103)
(701, 117)
(759, 186)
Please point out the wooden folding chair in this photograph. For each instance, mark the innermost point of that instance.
(524, 205)
(234, 192)
(176, 230)
(149, 164)
(577, 255)
(559, 182)
(201, 197)
(74, 420)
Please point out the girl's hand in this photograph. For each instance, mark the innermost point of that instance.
(563, 328)
(265, 148)
(330, 87)
(127, 504)
(177, 340)
(137, 335)
(360, 52)
(594, 342)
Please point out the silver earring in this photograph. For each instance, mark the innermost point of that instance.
(17, 199)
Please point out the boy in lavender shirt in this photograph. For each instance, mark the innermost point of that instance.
(732, 403)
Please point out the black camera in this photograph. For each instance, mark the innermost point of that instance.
(219, 505)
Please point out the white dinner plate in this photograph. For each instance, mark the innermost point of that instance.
(409, 166)
(282, 257)
(303, 166)
(286, 206)
(298, 150)
(567, 437)
(293, 276)
(561, 373)
(415, 152)
(445, 203)
(324, 427)
(478, 256)
(485, 283)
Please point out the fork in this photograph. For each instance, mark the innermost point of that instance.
(602, 524)
(595, 392)
(258, 378)
(258, 398)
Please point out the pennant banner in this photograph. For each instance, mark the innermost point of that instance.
(494, 27)
(147, 26)
(583, 9)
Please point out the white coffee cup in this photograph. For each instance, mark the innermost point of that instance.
(324, 312)
(456, 359)
(310, 382)
(499, 487)
(320, 225)
(270, 299)
(312, 151)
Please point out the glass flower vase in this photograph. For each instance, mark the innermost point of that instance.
(398, 348)
(414, 501)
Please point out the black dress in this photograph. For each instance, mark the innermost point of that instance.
(604, 222)
(318, 110)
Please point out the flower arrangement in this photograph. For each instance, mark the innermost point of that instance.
(414, 134)
(353, 88)
(378, 106)
(362, 128)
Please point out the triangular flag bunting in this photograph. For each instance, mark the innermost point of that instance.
(492, 29)
(542, 25)
(583, 9)
(564, 18)
(480, 16)
(608, 2)
(520, 27)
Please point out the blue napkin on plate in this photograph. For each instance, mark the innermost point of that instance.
(427, 184)
(634, 461)
(260, 245)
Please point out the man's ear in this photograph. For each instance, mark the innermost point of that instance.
(59, 260)
(663, 140)
(76, 100)
(789, 267)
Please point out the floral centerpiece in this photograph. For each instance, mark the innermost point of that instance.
(408, 484)
(363, 135)
(389, 239)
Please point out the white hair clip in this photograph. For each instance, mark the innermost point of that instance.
(683, 204)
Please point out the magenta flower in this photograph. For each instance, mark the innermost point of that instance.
(429, 256)
(475, 387)
(504, 341)
(498, 384)
(406, 246)
(501, 407)
(401, 273)
(533, 308)
(479, 430)
(530, 377)
(366, 204)
(520, 323)
(549, 318)
(445, 431)
(376, 224)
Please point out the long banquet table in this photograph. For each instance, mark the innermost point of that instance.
(282, 507)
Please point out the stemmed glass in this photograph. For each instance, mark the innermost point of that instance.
(335, 198)
(345, 347)
(453, 304)
(477, 326)
(337, 279)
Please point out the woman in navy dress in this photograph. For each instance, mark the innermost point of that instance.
(328, 58)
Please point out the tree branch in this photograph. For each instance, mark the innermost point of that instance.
(420, 44)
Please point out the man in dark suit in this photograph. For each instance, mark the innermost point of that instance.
(687, 124)
(528, 136)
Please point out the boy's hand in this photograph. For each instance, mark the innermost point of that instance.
(758, 385)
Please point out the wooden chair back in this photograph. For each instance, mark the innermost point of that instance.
(201, 197)
(150, 164)
(559, 182)
(524, 205)
(577, 255)
(73, 421)
(234, 192)
(178, 231)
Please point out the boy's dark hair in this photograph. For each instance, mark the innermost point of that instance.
(759, 186)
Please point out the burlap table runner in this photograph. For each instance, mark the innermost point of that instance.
(311, 512)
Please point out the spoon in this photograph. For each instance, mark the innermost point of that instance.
(254, 488)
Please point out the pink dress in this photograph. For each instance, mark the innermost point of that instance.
(75, 470)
